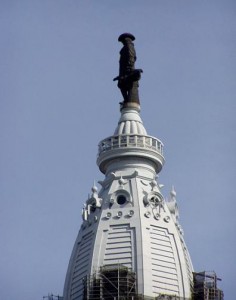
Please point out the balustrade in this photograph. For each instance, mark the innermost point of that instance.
(130, 141)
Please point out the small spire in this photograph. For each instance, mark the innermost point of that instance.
(173, 192)
(94, 188)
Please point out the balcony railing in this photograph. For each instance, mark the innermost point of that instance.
(130, 141)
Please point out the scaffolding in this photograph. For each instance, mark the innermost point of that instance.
(114, 282)
(118, 282)
(205, 286)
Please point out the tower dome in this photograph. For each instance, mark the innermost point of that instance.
(130, 243)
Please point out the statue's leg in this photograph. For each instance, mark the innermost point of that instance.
(133, 95)
(123, 88)
(124, 94)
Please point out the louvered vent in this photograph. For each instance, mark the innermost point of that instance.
(164, 272)
(81, 266)
(119, 246)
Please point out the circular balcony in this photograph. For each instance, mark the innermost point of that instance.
(134, 145)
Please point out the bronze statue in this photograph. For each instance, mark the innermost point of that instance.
(128, 76)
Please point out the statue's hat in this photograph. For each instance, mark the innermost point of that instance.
(126, 35)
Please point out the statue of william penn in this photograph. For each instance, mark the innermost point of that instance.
(128, 76)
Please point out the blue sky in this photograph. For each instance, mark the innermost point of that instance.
(57, 101)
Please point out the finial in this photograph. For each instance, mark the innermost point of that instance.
(128, 76)
(173, 192)
(94, 188)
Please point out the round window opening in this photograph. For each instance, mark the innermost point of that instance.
(121, 199)
(154, 201)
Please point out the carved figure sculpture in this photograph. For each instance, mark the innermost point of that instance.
(128, 76)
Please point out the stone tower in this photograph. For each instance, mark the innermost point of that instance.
(130, 243)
